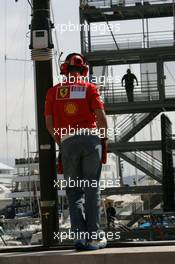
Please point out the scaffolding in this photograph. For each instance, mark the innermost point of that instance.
(104, 46)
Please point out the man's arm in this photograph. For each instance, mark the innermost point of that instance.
(136, 80)
(102, 126)
(97, 106)
(49, 115)
(50, 128)
(101, 122)
(123, 79)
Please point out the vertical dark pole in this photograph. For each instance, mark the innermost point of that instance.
(89, 37)
(160, 80)
(47, 157)
(167, 162)
(84, 47)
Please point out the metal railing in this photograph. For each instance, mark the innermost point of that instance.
(134, 206)
(128, 123)
(115, 93)
(146, 161)
(169, 91)
(150, 159)
(110, 3)
(125, 126)
(104, 41)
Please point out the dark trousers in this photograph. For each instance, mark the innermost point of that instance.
(129, 92)
(110, 221)
(81, 157)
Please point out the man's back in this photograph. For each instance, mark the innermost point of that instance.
(72, 105)
(111, 211)
(129, 79)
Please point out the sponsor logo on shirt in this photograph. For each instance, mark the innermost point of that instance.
(77, 92)
(71, 92)
(70, 108)
(63, 93)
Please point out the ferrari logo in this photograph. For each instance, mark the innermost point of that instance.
(64, 92)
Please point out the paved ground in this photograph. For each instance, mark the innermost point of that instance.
(132, 255)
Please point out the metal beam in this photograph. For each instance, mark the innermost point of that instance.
(139, 107)
(167, 161)
(137, 146)
(153, 189)
(125, 56)
(127, 12)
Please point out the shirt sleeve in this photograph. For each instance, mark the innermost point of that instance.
(49, 103)
(94, 98)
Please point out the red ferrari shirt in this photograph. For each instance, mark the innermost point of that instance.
(73, 105)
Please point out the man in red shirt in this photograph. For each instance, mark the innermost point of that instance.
(73, 112)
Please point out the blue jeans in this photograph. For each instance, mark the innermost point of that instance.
(81, 159)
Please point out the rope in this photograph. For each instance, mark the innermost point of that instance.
(57, 53)
(30, 4)
(5, 76)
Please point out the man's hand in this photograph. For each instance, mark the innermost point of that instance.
(104, 150)
(103, 127)
(60, 165)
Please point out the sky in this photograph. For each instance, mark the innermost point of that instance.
(17, 103)
(17, 107)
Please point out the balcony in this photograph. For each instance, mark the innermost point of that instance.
(129, 41)
(146, 98)
(94, 10)
(110, 3)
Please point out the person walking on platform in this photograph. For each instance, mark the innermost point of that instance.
(129, 84)
(111, 215)
(74, 113)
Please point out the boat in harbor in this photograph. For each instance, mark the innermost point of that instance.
(5, 199)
